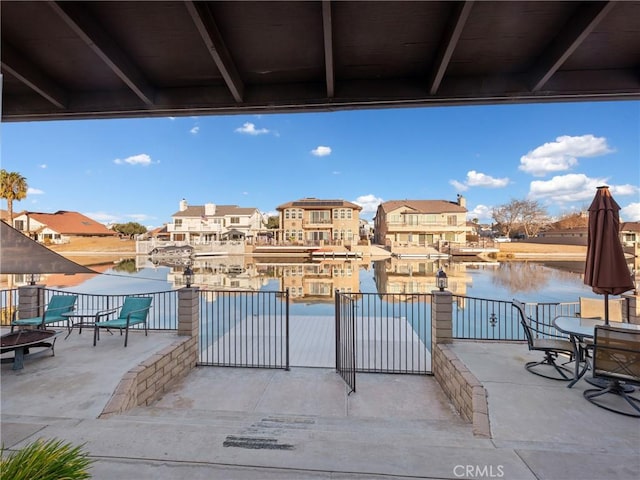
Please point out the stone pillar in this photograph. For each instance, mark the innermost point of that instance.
(30, 301)
(189, 312)
(441, 317)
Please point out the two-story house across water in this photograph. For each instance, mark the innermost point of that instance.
(204, 224)
(412, 226)
(311, 221)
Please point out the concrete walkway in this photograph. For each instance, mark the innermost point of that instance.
(273, 424)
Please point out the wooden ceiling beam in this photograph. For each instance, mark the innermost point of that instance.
(78, 19)
(327, 29)
(212, 38)
(576, 30)
(445, 52)
(17, 65)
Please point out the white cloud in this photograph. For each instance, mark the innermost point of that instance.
(43, 165)
(103, 217)
(336, 172)
(478, 179)
(573, 188)
(171, 118)
(321, 151)
(194, 130)
(245, 193)
(140, 159)
(34, 191)
(562, 154)
(618, 190)
(139, 217)
(369, 203)
(459, 186)
(250, 129)
(630, 213)
(481, 212)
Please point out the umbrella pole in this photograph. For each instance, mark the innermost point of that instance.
(606, 309)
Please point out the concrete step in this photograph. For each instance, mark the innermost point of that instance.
(272, 430)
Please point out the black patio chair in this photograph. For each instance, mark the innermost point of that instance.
(541, 337)
(616, 359)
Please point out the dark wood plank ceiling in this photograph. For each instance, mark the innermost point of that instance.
(67, 60)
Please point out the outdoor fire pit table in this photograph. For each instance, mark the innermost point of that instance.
(21, 341)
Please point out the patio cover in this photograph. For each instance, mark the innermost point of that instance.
(20, 254)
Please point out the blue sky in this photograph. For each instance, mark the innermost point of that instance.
(139, 169)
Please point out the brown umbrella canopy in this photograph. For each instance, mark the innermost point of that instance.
(21, 255)
(606, 269)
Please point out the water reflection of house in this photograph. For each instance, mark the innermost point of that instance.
(319, 280)
(233, 272)
(413, 276)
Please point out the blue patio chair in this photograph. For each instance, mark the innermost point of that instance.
(134, 310)
(58, 304)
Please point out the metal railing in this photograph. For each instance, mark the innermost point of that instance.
(393, 333)
(163, 314)
(244, 329)
(346, 339)
(8, 305)
(486, 319)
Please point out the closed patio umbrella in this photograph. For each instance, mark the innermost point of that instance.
(606, 269)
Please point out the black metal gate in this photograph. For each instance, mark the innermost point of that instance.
(244, 329)
(346, 339)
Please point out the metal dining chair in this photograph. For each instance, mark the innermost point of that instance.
(616, 358)
(541, 338)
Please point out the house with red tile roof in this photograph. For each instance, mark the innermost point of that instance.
(59, 227)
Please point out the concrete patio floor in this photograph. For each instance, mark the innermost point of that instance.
(232, 423)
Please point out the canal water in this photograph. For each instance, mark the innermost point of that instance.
(312, 284)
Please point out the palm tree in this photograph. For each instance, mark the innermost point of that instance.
(13, 186)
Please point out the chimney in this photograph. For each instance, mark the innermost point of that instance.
(183, 205)
(462, 201)
(209, 209)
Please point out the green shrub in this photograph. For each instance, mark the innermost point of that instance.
(45, 460)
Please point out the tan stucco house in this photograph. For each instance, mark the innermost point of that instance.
(312, 221)
(421, 223)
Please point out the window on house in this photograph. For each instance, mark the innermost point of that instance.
(336, 213)
(177, 222)
(349, 214)
(234, 220)
(452, 220)
(18, 225)
(286, 214)
(342, 213)
(300, 212)
(322, 216)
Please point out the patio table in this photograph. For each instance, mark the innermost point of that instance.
(580, 330)
(87, 318)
